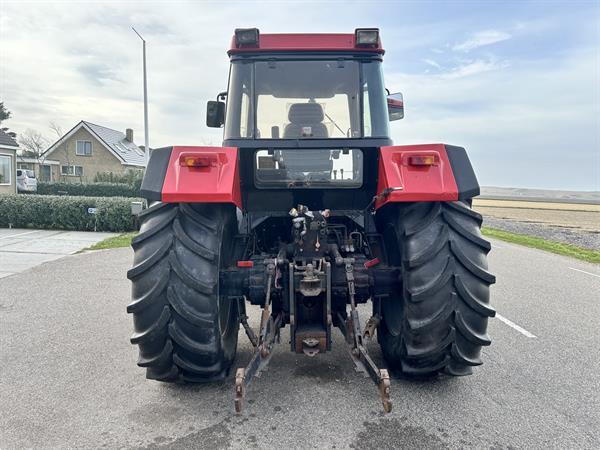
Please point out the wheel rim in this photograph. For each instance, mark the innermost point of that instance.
(225, 305)
(224, 315)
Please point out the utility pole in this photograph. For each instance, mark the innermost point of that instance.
(146, 140)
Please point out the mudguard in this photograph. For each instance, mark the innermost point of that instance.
(169, 180)
(450, 177)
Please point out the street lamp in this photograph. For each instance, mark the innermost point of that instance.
(146, 140)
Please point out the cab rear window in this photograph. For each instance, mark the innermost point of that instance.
(308, 168)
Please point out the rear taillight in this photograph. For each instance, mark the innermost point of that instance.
(372, 262)
(198, 160)
(422, 160)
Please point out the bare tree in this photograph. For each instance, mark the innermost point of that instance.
(56, 129)
(62, 145)
(33, 143)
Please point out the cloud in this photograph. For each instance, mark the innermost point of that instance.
(476, 67)
(98, 73)
(432, 63)
(482, 39)
(520, 126)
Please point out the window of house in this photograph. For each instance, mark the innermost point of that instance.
(71, 171)
(46, 173)
(84, 148)
(5, 169)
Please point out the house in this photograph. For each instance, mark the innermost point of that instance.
(46, 170)
(8, 167)
(88, 149)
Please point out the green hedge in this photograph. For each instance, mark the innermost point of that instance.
(89, 190)
(66, 213)
(130, 177)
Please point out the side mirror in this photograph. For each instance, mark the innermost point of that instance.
(395, 104)
(215, 114)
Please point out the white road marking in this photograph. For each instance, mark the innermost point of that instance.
(511, 324)
(583, 271)
(20, 234)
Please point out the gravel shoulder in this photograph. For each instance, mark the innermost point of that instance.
(569, 223)
(580, 238)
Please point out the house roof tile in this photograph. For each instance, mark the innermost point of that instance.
(127, 152)
(7, 141)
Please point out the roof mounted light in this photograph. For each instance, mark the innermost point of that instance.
(246, 37)
(366, 37)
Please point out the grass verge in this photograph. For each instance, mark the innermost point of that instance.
(559, 248)
(123, 240)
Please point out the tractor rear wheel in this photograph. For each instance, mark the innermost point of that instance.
(184, 330)
(438, 322)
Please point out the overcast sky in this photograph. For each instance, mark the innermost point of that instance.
(516, 83)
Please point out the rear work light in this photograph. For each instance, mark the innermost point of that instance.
(366, 37)
(422, 160)
(246, 37)
(198, 160)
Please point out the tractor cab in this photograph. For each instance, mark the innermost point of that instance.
(283, 88)
(304, 115)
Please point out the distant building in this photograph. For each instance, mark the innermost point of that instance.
(42, 167)
(8, 167)
(86, 150)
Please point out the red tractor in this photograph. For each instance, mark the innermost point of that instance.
(308, 210)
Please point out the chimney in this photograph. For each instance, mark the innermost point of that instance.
(129, 134)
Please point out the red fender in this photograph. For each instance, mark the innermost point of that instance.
(215, 178)
(447, 175)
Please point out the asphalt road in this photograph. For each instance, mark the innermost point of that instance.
(68, 376)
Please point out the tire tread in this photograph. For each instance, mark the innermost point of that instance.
(445, 293)
(176, 313)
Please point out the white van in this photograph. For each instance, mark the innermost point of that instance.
(26, 181)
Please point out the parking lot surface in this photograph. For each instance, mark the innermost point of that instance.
(68, 376)
(22, 249)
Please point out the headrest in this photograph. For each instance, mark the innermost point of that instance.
(305, 113)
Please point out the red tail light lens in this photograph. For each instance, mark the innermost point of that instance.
(422, 160)
(372, 262)
(198, 160)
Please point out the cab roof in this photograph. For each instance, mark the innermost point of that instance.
(304, 42)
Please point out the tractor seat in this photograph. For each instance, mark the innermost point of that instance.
(306, 120)
(299, 161)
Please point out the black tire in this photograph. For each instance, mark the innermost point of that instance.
(185, 331)
(438, 322)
